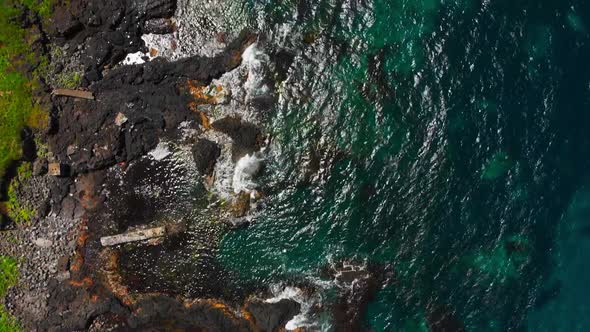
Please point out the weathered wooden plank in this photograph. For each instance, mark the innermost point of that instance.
(57, 169)
(74, 93)
(133, 236)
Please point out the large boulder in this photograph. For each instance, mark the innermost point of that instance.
(246, 137)
(272, 316)
(205, 153)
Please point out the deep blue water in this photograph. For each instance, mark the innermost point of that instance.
(453, 140)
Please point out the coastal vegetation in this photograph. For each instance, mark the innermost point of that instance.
(8, 278)
(20, 69)
(18, 109)
(19, 211)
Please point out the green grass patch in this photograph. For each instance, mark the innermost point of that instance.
(20, 212)
(8, 274)
(69, 79)
(17, 107)
(8, 277)
(17, 110)
(41, 7)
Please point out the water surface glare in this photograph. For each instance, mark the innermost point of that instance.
(445, 140)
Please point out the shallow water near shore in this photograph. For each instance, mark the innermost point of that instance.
(444, 140)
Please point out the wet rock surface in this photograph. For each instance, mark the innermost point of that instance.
(358, 283)
(135, 155)
(247, 138)
(122, 177)
(271, 316)
(206, 153)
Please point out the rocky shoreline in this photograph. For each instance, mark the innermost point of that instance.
(68, 281)
(130, 158)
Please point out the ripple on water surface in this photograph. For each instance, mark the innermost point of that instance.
(441, 139)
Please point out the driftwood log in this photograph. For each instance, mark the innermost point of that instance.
(74, 93)
(142, 235)
(134, 236)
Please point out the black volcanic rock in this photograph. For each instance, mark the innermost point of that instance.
(108, 30)
(271, 317)
(151, 96)
(64, 23)
(205, 154)
(164, 313)
(246, 137)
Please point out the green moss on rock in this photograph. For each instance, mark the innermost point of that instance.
(8, 277)
(18, 210)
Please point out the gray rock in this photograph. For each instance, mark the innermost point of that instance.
(43, 243)
(40, 167)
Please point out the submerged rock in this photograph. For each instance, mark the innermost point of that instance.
(358, 283)
(240, 205)
(441, 318)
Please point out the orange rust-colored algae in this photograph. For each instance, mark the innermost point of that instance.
(86, 282)
(78, 259)
(198, 92)
(205, 121)
(113, 279)
(250, 318)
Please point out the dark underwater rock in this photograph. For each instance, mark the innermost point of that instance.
(441, 318)
(358, 283)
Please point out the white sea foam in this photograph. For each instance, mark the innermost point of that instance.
(255, 60)
(160, 152)
(244, 173)
(134, 58)
(162, 45)
(307, 302)
(158, 45)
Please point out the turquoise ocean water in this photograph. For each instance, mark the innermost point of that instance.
(447, 140)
